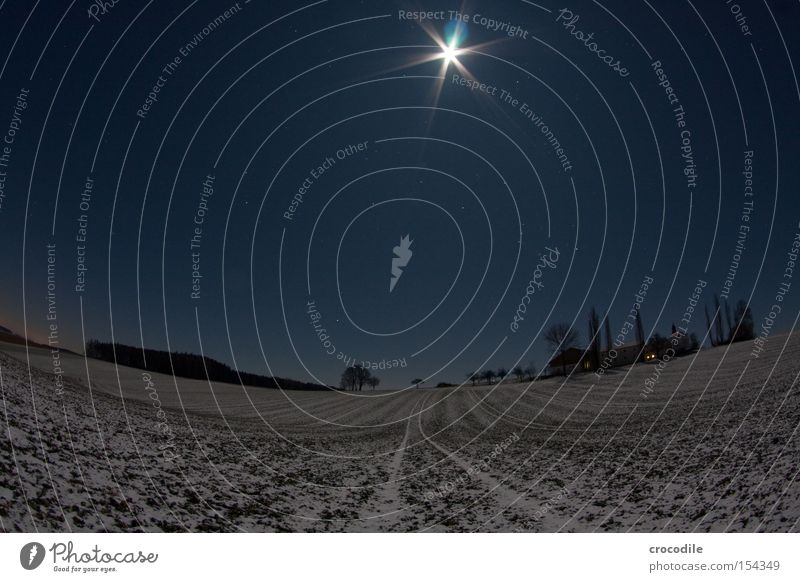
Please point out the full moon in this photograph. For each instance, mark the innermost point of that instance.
(449, 53)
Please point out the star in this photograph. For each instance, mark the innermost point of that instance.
(449, 53)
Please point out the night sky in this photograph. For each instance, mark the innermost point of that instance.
(233, 178)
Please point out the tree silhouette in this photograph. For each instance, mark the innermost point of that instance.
(472, 377)
(373, 381)
(594, 338)
(609, 341)
(417, 381)
(348, 381)
(362, 375)
(729, 320)
(744, 322)
(718, 324)
(519, 373)
(488, 375)
(530, 371)
(561, 337)
(659, 344)
(501, 373)
(739, 322)
(355, 377)
(709, 328)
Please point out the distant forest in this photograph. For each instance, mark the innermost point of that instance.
(187, 365)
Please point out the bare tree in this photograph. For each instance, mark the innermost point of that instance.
(729, 320)
(710, 328)
(501, 373)
(519, 373)
(744, 322)
(362, 376)
(718, 321)
(472, 377)
(530, 372)
(373, 381)
(609, 341)
(348, 380)
(488, 375)
(561, 337)
(355, 377)
(594, 338)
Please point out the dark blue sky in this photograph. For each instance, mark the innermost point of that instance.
(261, 99)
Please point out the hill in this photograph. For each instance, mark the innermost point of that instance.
(187, 365)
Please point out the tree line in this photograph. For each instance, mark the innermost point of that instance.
(726, 326)
(729, 326)
(186, 365)
(488, 376)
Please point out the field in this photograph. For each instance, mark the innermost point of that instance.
(712, 448)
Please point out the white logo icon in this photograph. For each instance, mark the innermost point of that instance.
(31, 555)
(402, 256)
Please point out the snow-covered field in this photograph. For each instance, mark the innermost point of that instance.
(714, 447)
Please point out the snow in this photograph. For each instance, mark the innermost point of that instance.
(712, 448)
